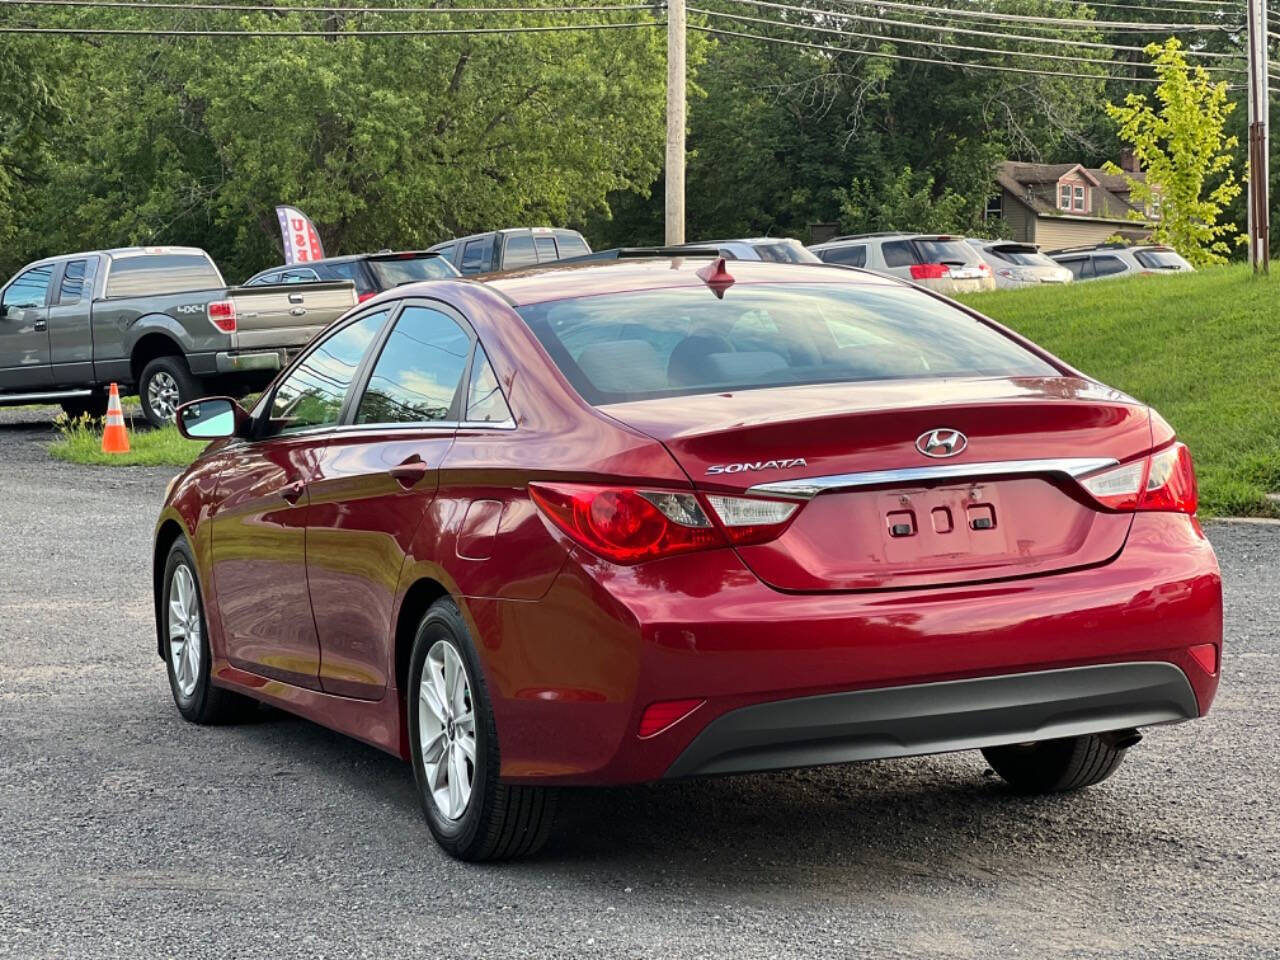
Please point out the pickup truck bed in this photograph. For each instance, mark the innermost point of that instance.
(71, 325)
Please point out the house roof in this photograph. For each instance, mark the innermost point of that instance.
(1019, 178)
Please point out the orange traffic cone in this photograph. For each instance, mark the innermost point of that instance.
(115, 439)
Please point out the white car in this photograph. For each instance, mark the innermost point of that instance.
(942, 263)
(1119, 260)
(1017, 265)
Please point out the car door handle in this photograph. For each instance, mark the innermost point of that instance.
(41, 325)
(295, 298)
(292, 492)
(411, 471)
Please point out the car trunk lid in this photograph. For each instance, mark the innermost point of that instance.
(878, 513)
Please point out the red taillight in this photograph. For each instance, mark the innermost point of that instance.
(628, 525)
(929, 271)
(222, 314)
(1166, 480)
(665, 713)
(984, 268)
(366, 296)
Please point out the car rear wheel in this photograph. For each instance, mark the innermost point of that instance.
(1056, 766)
(454, 747)
(186, 646)
(166, 383)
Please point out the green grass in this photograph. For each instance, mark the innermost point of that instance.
(1202, 348)
(80, 441)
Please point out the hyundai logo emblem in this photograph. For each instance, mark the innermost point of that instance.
(943, 442)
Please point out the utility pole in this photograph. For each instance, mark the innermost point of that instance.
(1259, 139)
(676, 27)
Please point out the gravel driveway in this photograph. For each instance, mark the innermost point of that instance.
(125, 832)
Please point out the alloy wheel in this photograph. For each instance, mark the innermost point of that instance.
(185, 635)
(447, 729)
(163, 395)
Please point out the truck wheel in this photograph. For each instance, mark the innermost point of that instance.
(94, 405)
(166, 383)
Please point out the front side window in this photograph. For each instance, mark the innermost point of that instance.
(313, 393)
(485, 403)
(417, 375)
(662, 343)
(30, 288)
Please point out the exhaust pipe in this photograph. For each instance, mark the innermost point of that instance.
(1121, 739)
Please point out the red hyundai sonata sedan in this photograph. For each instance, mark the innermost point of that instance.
(665, 518)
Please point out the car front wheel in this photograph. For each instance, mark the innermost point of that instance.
(454, 746)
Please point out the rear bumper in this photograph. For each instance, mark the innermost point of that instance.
(939, 717)
(571, 674)
(235, 362)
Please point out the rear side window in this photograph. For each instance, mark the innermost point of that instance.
(346, 270)
(417, 375)
(485, 403)
(898, 253)
(77, 281)
(571, 244)
(848, 256)
(264, 280)
(519, 251)
(1107, 266)
(663, 343)
(477, 254)
(299, 275)
(30, 288)
(313, 393)
(157, 273)
(1079, 267)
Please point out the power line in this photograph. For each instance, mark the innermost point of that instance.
(266, 8)
(947, 28)
(961, 64)
(330, 34)
(1027, 18)
(937, 44)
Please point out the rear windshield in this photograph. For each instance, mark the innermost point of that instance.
(1022, 256)
(148, 274)
(664, 343)
(933, 250)
(1160, 260)
(411, 269)
(783, 252)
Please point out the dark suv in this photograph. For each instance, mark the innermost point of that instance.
(512, 248)
(371, 272)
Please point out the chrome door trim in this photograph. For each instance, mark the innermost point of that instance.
(806, 488)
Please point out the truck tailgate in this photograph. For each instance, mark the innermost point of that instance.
(287, 314)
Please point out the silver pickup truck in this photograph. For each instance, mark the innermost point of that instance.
(159, 319)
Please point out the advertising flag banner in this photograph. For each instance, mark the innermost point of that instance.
(301, 239)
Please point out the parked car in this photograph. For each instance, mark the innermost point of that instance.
(1119, 260)
(370, 272)
(943, 263)
(512, 248)
(158, 318)
(1015, 264)
(681, 517)
(774, 249)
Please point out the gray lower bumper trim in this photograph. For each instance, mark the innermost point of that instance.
(240, 362)
(939, 717)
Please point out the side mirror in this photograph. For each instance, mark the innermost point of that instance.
(211, 418)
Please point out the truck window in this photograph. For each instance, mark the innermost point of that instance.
(77, 281)
(450, 253)
(30, 288)
(519, 251)
(150, 274)
(477, 254)
(546, 247)
(571, 244)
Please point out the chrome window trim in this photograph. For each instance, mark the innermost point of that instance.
(806, 488)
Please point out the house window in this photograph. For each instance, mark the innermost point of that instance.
(1153, 208)
(1078, 199)
(1064, 196)
(995, 208)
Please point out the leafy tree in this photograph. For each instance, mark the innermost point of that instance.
(1182, 147)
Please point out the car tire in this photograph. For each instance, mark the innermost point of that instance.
(493, 821)
(185, 637)
(1055, 766)
(94, 405)
(166, 383)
